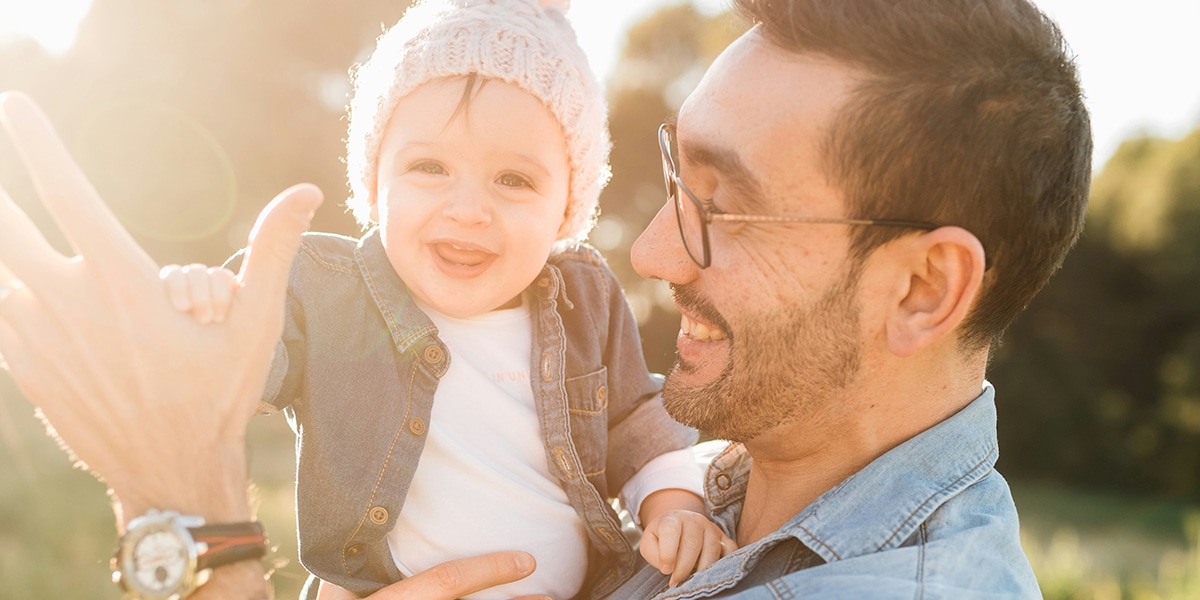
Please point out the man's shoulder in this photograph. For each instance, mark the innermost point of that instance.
(973, 545)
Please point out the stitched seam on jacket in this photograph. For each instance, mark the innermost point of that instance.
(937, 494)
(387, 459)
(321, 260)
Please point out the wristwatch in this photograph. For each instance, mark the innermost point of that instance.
(165, 555)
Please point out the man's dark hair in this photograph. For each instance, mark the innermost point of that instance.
(971, 115)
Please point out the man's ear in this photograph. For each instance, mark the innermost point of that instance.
(944, 274)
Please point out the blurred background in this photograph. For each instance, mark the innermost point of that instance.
(189, 115)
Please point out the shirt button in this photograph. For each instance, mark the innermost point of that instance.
(354, 550)
(433, 355)
(416, 426)
(602, 394)
(723, 481)
(543, 282)
(379, 515)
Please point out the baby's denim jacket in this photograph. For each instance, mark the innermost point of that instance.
(356, 372)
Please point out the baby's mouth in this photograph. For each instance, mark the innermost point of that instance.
(460, 256)
(699, 331)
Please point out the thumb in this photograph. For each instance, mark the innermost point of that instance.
(274, 240)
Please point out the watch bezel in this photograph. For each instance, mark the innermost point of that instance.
(141, 527)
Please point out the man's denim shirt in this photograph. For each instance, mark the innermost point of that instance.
(929, 519)
(356, 373)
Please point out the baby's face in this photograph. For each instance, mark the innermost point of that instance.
(470, 207)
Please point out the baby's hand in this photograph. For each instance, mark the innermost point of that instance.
(681, 542)
(204, 292)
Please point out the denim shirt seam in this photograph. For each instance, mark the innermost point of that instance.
(984, 464)
(383, 470)
(318, 257)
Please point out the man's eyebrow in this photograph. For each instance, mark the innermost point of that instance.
(747, 192)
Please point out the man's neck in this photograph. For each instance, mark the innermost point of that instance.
(796, 463)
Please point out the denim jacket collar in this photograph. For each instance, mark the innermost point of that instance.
(405, 321)
(882, 505)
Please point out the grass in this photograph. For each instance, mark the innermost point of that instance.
(57, 532)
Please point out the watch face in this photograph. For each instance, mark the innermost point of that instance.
(160, 560)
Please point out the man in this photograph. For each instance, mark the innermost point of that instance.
(864, 194)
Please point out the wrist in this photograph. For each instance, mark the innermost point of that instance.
(661, 501)
(213, 486)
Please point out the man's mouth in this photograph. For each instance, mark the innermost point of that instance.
(700, 331)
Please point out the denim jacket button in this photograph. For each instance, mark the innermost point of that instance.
(723, 481)
(379, 515)
(433, 355)
(354, 550)
(416, 426)
(602, 394)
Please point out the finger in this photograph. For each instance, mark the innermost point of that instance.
(9, 346)
(83, 217)
(199, 290)
(222, 284)
(728, 546)
(669, 530)
(690, 545)
(649, 547)
(22, 246)
(455, 578)
(710, 551)
(177, 287)
(273, 243)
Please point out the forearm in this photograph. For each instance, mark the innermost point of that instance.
(670, 499)
(216, 489)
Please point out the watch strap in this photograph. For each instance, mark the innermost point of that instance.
(229, 543)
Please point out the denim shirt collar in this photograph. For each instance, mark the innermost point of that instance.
(881, 506)
(406, 322)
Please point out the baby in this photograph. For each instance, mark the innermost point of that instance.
(467, 377)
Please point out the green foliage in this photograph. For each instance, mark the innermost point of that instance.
(1098, 380)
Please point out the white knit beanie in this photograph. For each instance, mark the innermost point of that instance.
(520, 42)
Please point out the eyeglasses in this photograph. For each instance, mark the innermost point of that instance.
(694, 218)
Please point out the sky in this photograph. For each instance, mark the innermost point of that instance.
(1139, 62)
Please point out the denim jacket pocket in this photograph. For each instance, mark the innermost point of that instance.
(587, 401)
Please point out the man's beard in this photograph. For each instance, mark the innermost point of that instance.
(781, 365)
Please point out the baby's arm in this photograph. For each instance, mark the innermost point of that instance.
(204, 292)
(329, 591)
(679, 539)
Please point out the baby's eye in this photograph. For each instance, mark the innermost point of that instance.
(514, 180)
(427, 167)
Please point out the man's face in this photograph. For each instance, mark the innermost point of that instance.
(770, 331)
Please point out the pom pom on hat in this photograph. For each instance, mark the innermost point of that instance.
(527, 43)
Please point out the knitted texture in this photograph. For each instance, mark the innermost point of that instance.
(516, 41)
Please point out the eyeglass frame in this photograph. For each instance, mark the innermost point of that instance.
(671, 178)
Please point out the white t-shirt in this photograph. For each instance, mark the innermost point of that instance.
(483, 484)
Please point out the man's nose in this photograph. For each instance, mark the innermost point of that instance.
(659, 253)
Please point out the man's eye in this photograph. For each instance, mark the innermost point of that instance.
(514, 180)
(427, 167)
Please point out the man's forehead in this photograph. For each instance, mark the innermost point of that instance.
(769, 108)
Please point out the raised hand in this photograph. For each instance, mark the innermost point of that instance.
(151, 401)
